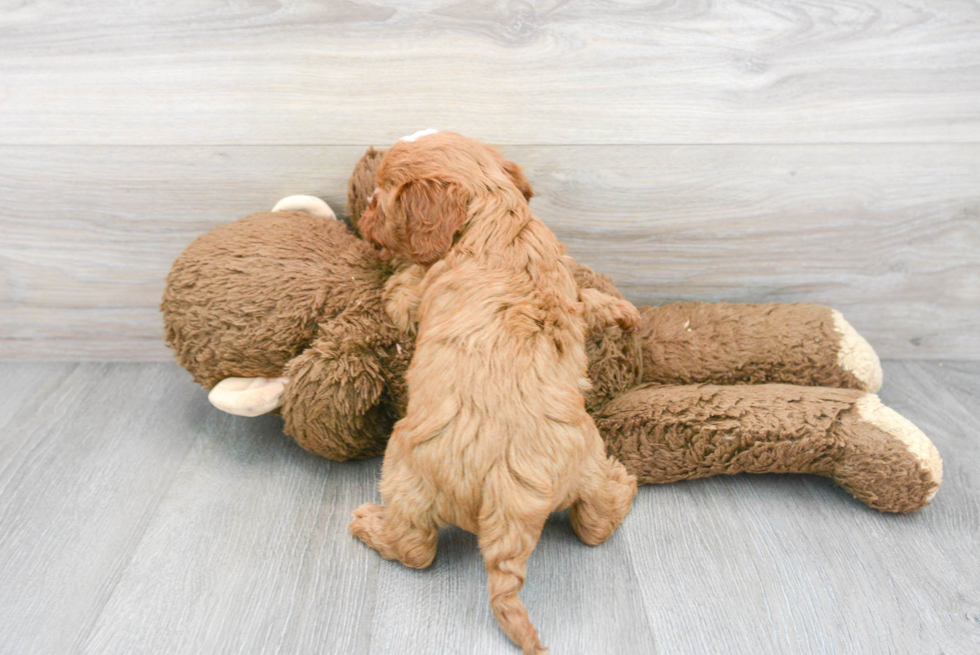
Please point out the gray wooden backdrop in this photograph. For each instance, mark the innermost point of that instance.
(720, 150)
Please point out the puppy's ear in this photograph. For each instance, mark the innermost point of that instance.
(517, 174)
(434, 212)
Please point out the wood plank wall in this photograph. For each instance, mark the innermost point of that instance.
(730, 150)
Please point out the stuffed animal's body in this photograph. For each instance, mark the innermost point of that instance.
(702, 389)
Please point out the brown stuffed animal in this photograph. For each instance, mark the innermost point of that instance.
(283, 312)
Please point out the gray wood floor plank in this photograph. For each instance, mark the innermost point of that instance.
(942, 399)
(84, 459)
(788, 564)
(21, 382)
(135, 518)
(115, 538)
(248, 553)
(592, 71)
(888, 234)
(581, 599)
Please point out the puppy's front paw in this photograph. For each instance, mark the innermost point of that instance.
(626, 316)
(401, 311)
(401, 297)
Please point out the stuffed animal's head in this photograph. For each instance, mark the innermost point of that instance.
(361, 185)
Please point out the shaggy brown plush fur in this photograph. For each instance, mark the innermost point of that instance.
(295, 295)
(225, 316)
(496, 436)
(723, 343)
(666, 434)
(360, 186)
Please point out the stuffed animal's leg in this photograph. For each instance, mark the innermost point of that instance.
(330, 395)
(333, 404)
(670, 433)
(723, 343)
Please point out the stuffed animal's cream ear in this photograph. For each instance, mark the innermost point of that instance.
(308, 204)
(248, 396)
(418, 135)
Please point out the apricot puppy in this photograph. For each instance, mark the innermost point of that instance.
(495, 436)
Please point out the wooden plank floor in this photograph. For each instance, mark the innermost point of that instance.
(134, 518)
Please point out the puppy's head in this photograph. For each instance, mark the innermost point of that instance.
(425, 188)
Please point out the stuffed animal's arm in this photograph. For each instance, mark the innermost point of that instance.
(402, 294)
(722, 343)
(332, 404)
(602, 309)
(329, 395)
(665, 433)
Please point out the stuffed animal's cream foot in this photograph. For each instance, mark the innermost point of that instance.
(856, 355)
(919, 446)
(887, 462)
(308, 204)
(248, 396)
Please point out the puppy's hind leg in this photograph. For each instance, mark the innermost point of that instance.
(606, 493)
(506, 541)
(403, 528)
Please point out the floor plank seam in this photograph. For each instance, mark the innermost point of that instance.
(81, 642)
(27, 456)
(638, 580)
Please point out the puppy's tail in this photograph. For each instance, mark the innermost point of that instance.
(507, 543)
